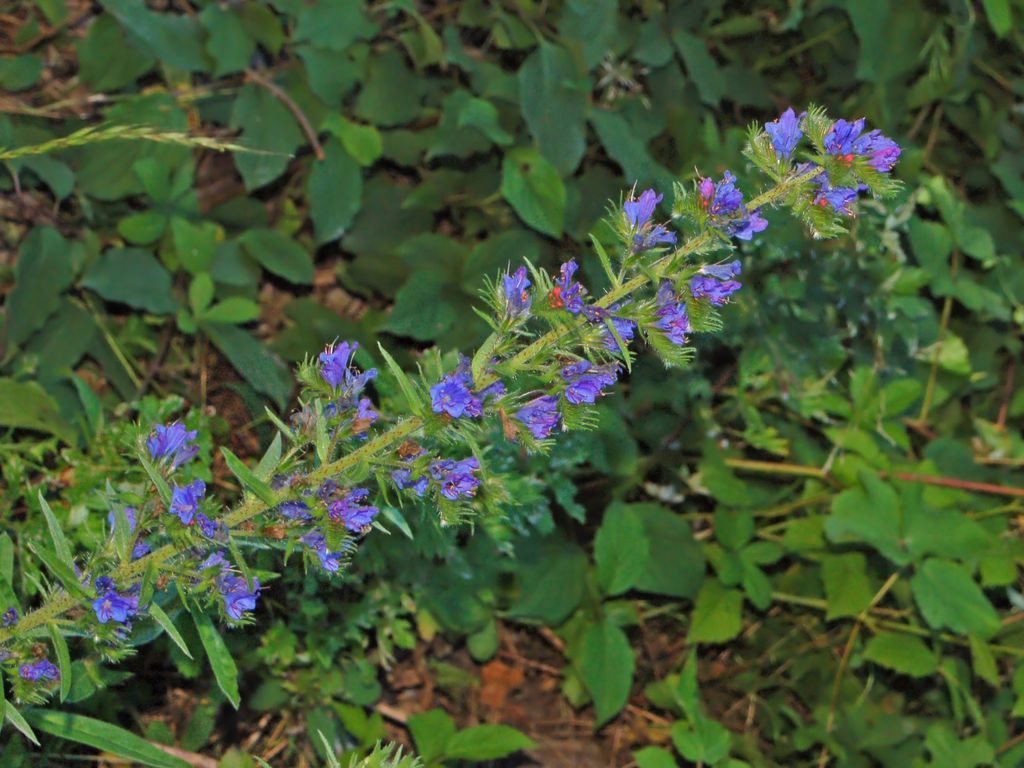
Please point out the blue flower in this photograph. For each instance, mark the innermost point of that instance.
(567, 294)
(172, 442)
(715, 291)
(294, 509)
(206, 525)
(881, 151)
(337, 370)
(141, 549)
(839, 198)
(365, 415)
(185, 501)
(785, 133)
(238, 597)
(317, 544)
(10, 617)
(638, 213)
(585, 381)
(347, 510)
(403, 479)
(723, 271)
(540, 416)
(744, 227)
(841, 137)
(111, 604)
(721, 199)
(673, 317)
(625, 327)
(453, 395)
(44, 669)
(456, 478)
(517, 297)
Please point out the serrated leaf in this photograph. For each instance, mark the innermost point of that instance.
(948, 597)
(223, 665)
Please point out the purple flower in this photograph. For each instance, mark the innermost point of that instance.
(206, 525)
(44, 669)
(638, 214)
(403, 479)
(337, 370)
(785, 133)
(721, 199)
(623, 326)
(456, 478)
(841, 137)
(347, 510)
(294, 509)
(141, 549)
(129, 513)
(10, 617)
(172, 442)
(185, 501)
(655, 236)
(517, 297)
(722, 271)
(215, 560)
(839, 198)
(745, 227)
(881, 151)
(673, 317)
(585, 381)
(540, 416)
(111, 604)
(237, 596)
(716, 291)
(567, 294)
(317, 544)
(453, 395)
(365, 415)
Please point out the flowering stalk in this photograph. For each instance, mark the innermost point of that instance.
(312, 496)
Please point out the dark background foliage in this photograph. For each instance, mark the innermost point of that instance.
(763, 509)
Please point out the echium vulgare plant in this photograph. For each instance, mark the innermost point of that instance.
(553, 351)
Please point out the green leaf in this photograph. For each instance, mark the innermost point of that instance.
(334, 191)
(132, 276)
(620, 550)
(654, 757)
(43, 272)
(431, 732)
(161, 618)
(6, 558)
(391, 94)
(158, 480)
(717, 615)
(486, 742)
(224, 669)
(947, 596)
(270, 459)
(259, 366)
(413, 400)
(554, 104)
(482, 115)
(60, 542)
(676, 564)
(106, 60)
(999, 16)
(18, 73)
(332, 25)
(535, 191)
(702, 741)
(984, 661)
(606, 666)
(60, 647)
(18, 721)
(905, 654)
(541, 562)
(142, 228)
(26, 405)
(174, 38)
(420, 311)
(228, 43)
(279, 254)
(847, 588)
(268, 126)
(234, 310)
(102, 736)
(870, 514)
(248, 478)
(701, 68)
(628, 149)
(200, 292)
(58, 568)
(363, 142)
(194, 244)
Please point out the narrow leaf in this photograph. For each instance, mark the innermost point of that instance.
(248, 478)
(605, 262)
(122, 533)
(102, 736)
(276, 421)
(270, 459)
(411, 397)
(65, 575)
(60, 646)
(223, 665)
(15, 718)
(60, 543)
(165, 622)
(483, 356)
(158, 480)
(6, 558)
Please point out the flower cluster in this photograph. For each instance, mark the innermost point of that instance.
(723, 204)
(112, 604)
(454, 394)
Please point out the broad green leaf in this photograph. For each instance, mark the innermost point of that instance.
(224, 669)
(869, 514)
(363, 142)
(535, 191)
(234, 310)
(905, 654)
(702, 741)
(249, 480)
(44, 270)
(26, 405)
(654, 757)
(701, 68)
(606, 666)
(161, 618)
(486, 742)
(268, 126)
(174, 38)
(717, 615)
(102, 736)
(279, 254)
(228, 43)
(950, 750)
(18, 73)
(132, 276)
(592, 26)
(60, 542)
(200, 292)
(848, 590)
(554, 104)
(482, 115)
(391, 93)
(334, 24)
(421, 310)
(258, 365)
(60, 647)
(733, 528)
(431, 732)
(984, 661)
(627, 149)
(676, 564)
(948, 597)
(334, 191)
(620, 550)
(541, 562)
